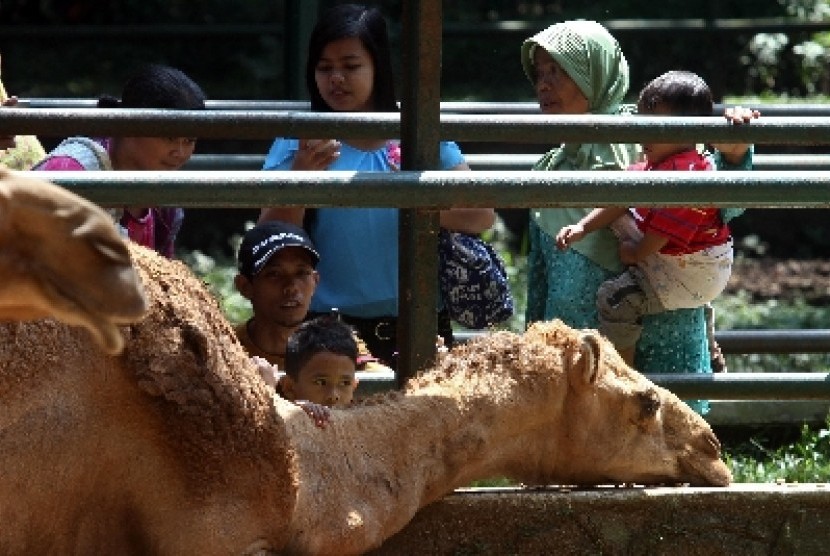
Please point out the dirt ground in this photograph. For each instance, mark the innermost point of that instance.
(785, 279)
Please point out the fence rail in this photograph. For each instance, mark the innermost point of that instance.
(430, 190)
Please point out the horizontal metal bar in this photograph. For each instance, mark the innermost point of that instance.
(457, 107)
(622, 27)
(492, 29)
(689, 386)
(745, 341)
(747, 386)
(516, 128)
(148, 32)
(267, 105)
(225, 162)
(513, 161)
(433, 189)
(774, 341)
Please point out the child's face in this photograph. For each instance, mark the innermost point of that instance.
(153, 153)
(326, 379)
(656, 153)
(345, 76)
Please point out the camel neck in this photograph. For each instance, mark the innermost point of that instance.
(422, 447)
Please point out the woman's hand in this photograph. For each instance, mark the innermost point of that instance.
(316, 154)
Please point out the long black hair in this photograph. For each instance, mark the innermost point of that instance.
(367, 24)
(158, 86)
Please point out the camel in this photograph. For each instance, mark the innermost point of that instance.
(61, 256)
(178, 446)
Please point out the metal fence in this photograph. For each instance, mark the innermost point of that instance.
(427, 191)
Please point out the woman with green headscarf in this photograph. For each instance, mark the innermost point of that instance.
(577, 67)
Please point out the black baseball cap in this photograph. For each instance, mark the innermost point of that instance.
(263, 240)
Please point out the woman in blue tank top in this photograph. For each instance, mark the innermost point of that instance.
(349, 69)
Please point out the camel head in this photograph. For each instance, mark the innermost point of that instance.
(619, 427)
(61, 256)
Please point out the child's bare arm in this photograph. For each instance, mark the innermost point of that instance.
(594, 220)
(736, 115)
(320, 413)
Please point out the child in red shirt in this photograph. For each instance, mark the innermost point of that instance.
(678, 257)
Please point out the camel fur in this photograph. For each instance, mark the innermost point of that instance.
(177, 446)
(61, 256)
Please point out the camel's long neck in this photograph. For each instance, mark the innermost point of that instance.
(365, 476)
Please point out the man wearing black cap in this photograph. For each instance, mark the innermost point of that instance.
(277, 274)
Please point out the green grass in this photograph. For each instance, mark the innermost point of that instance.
(806, 460)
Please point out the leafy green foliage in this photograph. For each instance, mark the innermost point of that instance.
(805, 461)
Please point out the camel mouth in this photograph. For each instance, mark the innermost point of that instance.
(710, 473)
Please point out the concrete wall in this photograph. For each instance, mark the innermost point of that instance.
(744, 519)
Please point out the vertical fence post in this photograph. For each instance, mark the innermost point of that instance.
(420, 133)
(300, 16)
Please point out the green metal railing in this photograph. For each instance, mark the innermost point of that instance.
(430, 190)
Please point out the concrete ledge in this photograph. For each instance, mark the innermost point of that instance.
(742, 519)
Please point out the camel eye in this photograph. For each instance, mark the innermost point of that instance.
(649, 403)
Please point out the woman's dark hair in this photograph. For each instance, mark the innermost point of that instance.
(352, 20)
(682, 93)
(322, 334)
(158, 86)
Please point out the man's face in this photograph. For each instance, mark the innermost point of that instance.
(281, 292)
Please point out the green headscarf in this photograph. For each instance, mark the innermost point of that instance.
(593, 60)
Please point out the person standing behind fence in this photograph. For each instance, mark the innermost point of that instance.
(577, 67)
(349, 69)
(18, 152)
(153, 86)
(678, 257)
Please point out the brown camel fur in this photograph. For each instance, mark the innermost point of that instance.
(61, 256)
(178, 447)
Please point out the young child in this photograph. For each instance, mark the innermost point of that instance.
(320, 363)
(152, 86)
(679, 257)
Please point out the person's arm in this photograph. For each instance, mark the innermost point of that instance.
(468, 220)
(301, 155)
(734, 153)
(7, 141)
(632, 252)
(593, 221)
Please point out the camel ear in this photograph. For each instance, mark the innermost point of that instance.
(584, 365)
